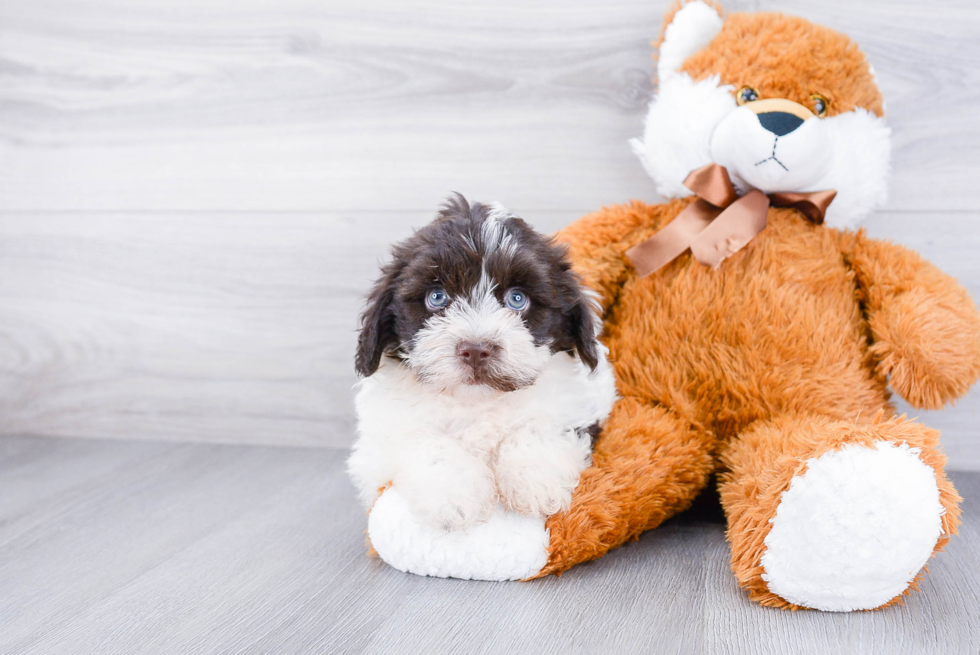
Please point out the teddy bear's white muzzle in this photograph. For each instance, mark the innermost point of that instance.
(772, 151)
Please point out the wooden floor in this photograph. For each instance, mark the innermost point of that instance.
(125, 547)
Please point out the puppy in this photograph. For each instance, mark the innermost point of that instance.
(484, 380)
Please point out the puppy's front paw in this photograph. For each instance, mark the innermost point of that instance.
(534, 492)
(460, 512)
(450, 497)
(536, 475)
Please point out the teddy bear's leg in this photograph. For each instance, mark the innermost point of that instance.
(835, 515)
(648, 465)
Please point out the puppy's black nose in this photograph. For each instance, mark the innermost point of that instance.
(474, 354)
(780, 123)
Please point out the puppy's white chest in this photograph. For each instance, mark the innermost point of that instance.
(478, 425)
(393, 403)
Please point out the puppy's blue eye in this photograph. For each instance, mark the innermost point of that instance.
(516, 300)
(436, 299)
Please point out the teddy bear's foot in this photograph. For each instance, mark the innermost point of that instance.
(508, 546)
(839, 524)
(854, 530)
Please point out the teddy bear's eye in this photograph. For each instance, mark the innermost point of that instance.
(819, 104)
(746, 94)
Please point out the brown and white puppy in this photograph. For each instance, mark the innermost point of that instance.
(484, 378)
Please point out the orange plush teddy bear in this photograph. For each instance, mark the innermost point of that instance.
(753, 338)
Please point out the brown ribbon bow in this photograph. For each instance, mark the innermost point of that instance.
(719, 223)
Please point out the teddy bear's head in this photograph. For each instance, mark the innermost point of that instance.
(781, 103)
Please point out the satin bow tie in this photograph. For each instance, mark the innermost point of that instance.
(719, 223)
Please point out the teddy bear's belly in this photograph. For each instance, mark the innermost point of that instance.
(777, 328)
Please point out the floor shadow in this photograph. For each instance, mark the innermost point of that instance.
(705, 509)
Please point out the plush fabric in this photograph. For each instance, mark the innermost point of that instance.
(772, 370)
(508, 546)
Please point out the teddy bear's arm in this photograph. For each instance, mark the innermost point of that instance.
(925, 327)
(647, 466)
(597, 243)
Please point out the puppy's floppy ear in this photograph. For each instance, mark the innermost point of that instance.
(582, 323)
(378, 322)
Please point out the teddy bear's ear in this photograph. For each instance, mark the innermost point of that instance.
(688, 27)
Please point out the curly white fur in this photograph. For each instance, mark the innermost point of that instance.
(456, 456)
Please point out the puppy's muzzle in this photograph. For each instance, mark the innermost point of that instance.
(475, 354)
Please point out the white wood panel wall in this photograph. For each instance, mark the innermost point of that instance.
(194, 194)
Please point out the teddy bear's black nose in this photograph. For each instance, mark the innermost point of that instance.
(780, 123)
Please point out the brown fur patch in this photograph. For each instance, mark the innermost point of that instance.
(780, 355)
(648, 465)
(797, 324)
(924, 327)
(788, 57)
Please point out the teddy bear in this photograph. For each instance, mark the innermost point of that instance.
(753, 336)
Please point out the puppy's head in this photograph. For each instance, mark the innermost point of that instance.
(476, 298)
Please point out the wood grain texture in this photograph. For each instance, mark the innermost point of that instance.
(194, 196)
(121, 547)
(240, 328)
(310, 105)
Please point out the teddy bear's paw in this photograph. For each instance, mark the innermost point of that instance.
(854, 529)
(507, 546)
(929, 348)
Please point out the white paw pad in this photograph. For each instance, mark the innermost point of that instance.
(508, 546)
(855, 529)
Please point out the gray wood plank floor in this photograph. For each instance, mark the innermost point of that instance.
(125, 547)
